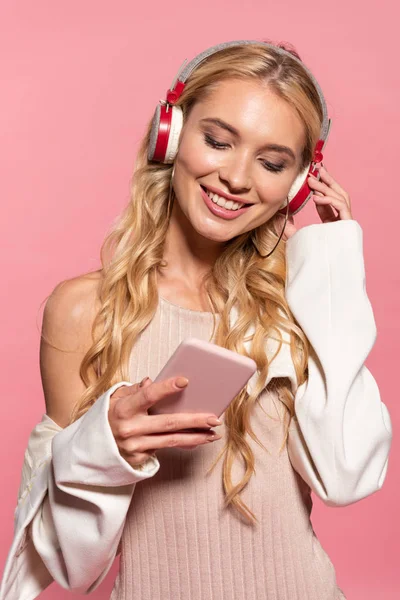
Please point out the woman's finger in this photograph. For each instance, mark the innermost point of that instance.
(148, 443)
(138, 459)
(339, 204)
(144, 424)
(326, 213)
(314, 184)
(328, 179)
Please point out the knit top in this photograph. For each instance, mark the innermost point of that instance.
(80, 501)
(180, 543)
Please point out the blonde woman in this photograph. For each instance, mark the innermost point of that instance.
(207, 247)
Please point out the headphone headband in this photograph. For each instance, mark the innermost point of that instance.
(185, 71)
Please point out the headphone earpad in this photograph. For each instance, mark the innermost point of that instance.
(164, 135)
(175, 131)
(298, 182)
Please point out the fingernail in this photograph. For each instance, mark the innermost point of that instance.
(214, 436)
(213, 421)
(181, 382)
(143, 381)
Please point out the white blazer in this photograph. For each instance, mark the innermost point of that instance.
(76, 488)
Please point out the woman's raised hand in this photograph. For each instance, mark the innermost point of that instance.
(138, 434)
(331, 201)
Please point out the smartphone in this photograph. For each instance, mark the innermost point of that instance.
(216, 375)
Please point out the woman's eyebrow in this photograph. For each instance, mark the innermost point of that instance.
(231, 129)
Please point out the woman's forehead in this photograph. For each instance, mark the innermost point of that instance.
(253, 110)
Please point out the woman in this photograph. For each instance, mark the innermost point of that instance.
(231, 518)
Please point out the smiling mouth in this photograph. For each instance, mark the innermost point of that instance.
(224, 202)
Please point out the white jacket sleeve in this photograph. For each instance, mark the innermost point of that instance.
(340, 437)
(72, 505)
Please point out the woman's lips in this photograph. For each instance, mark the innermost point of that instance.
(220, 211)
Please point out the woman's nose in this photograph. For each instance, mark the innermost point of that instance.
(235, 172)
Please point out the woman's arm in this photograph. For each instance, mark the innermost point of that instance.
(78, 526)
(74, 495)
(75, 487)
(340, 438)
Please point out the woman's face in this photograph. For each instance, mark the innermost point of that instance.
(235, 156)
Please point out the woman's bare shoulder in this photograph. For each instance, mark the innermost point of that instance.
(86, 284)
(70, 310)
(68, 319)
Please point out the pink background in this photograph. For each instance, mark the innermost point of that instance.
(80, 80)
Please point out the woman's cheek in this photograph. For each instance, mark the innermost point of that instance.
(196, 157)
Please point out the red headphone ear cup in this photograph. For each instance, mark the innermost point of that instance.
(164, 135)
(155, 127)
(300, 192)
(298, 183)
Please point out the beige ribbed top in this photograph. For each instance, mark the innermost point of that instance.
(179, 543)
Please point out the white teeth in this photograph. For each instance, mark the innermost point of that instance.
(229, 204)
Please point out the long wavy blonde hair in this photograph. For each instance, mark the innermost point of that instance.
(132, 253)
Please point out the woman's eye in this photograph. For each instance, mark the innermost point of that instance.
(213, 143)
(218, 145)
(272, 167)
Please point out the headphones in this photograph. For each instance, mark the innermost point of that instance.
(168, 120)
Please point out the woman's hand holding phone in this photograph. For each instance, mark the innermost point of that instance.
(138, 434)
